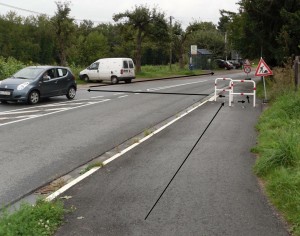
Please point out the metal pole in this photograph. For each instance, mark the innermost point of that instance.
(265, 88)
(171, 32)
(296, 70)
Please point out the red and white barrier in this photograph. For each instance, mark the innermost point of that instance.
(228, 89)
(231, 92)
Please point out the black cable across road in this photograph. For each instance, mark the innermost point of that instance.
(184, 161)
(149, 92)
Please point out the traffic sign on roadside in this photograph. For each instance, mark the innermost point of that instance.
(263, 69)
(247, 69)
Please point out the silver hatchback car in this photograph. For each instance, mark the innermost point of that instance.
(35, 82)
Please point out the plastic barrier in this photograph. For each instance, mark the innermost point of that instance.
(228, 89)
(231, 92)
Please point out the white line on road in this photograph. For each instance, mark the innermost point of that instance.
(16, 112)
(173, 86)
(70, 108)
(97, 97)
(123, 96)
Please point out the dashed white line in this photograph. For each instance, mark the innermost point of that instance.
(123, 96)
(97, 97)
(173, 86)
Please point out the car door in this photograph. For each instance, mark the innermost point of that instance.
(64, 79)
(49, 86)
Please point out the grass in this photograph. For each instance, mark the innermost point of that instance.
(278, 148)
(90, 166)
(147, 132)
(44, 218)
(149, 71)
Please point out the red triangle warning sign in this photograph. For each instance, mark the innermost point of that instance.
(263, 69)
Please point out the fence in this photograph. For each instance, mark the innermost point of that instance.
(228, 89)
(231, 93)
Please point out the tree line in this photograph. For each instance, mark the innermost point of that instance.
(261, 27)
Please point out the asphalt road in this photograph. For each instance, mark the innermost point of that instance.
(214, 193)
(41, 143)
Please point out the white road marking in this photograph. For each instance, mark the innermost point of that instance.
(56, 111)
(173, 86)
(123, 96)
(17, 112)
(97, 97)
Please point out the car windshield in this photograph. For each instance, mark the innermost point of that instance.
(28, 73)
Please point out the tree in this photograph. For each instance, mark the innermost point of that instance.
(64, 30)
(270, 27)
(143, 22)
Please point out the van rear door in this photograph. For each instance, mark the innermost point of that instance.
(128, 69)
(131, 69)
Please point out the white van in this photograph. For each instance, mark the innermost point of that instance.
(109, 69)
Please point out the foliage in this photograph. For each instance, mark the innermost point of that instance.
(143, 22)
(9, 67)
(149, 71)
(279, 147)
(42, 219)
(64, 28)
(270, 28)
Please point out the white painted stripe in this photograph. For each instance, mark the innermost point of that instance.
(17, 112)
(65, 103)
(173, 86)
(123, 96)
(72, 183)
(97, 97)
(71, 108)
(118, 94)
(90, 172)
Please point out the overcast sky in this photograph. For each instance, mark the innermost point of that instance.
(183, 11)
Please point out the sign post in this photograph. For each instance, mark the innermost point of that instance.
(193, 52)
(247, 69)
(263, 70)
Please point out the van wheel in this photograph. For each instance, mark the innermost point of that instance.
(127, 81)
(86, 78)
(114, 80)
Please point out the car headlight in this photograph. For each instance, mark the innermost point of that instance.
(22, 86)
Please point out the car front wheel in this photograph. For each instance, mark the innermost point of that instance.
(71, 93)
(33, 97)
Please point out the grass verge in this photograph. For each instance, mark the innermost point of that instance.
(278, 149)
(44, 218)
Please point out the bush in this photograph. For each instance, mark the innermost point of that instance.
(9, 67)
(42, 219)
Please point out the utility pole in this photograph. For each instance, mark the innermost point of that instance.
(171, 42)
(225, 39)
